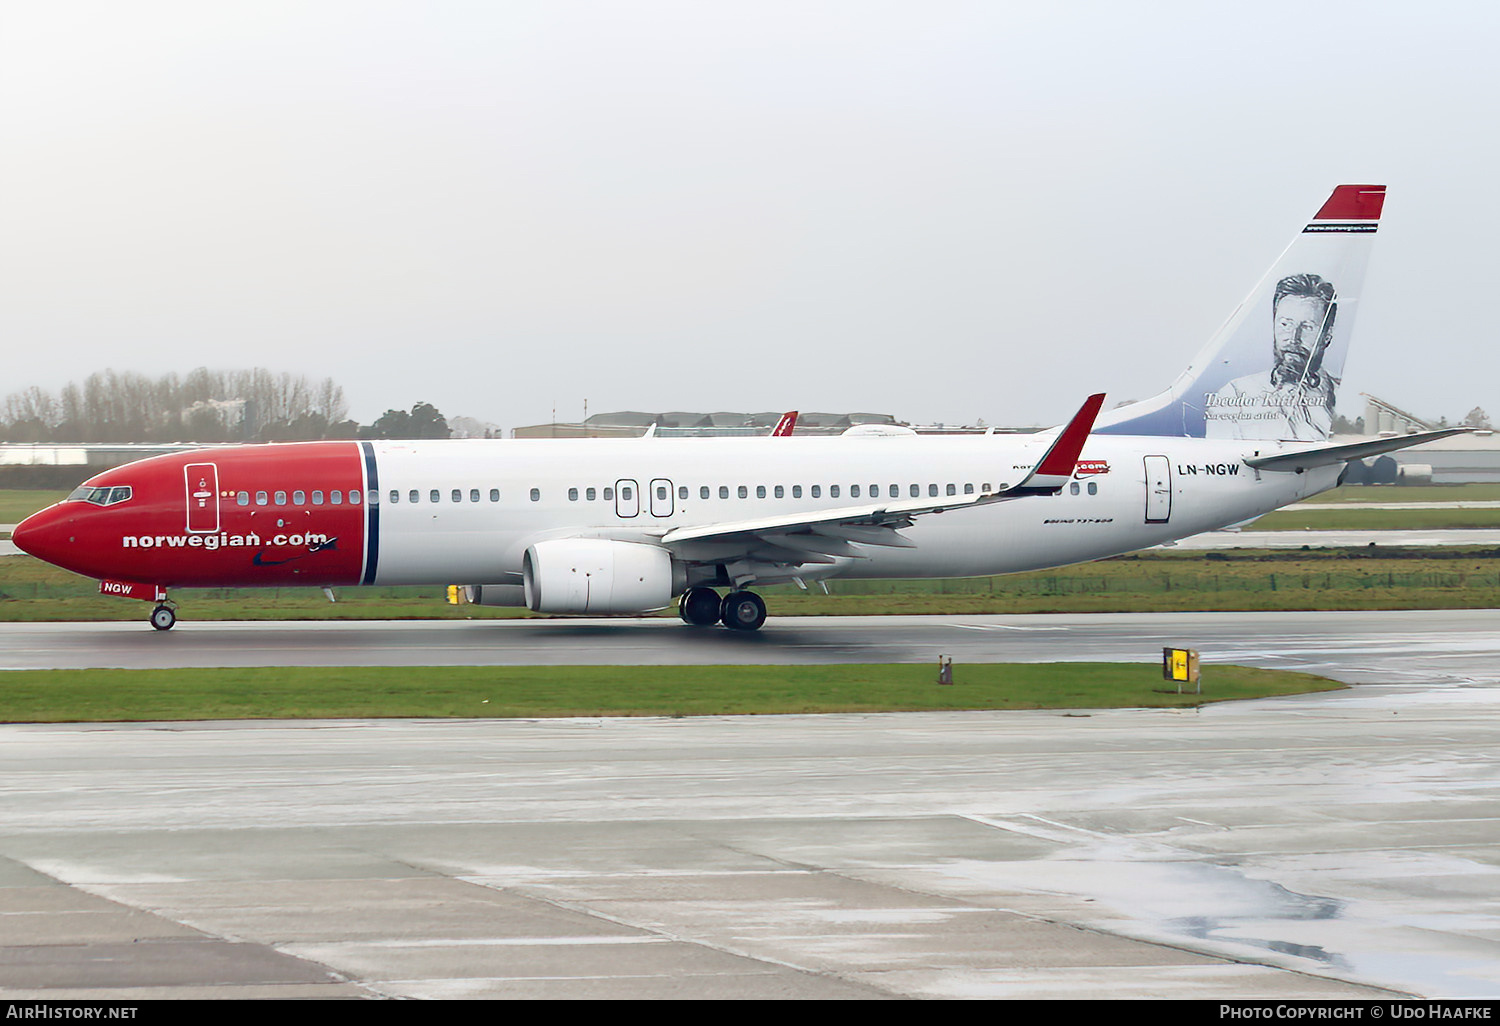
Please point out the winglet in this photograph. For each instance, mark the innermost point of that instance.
(785, 425)
(1058, 463)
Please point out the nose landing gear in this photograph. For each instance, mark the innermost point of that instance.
(163, 617)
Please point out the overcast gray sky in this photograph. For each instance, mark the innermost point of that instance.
(943, 210)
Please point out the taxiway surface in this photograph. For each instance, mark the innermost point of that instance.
(1377, 646)
(1338, 845)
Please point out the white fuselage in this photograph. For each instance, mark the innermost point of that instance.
(512, 494)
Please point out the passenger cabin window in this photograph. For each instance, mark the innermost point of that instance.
(242, 499)
(703, 492)
(744, 492)
(572, 494)
(969, 488)
(796, 491)
(1093, 487)
(591, 494)
(337, 498)
(854, 491)
(458, 495)
(682, 492)
(317, 497)
(494, 495)
(299, 498)
(261, 498)
(817, 491)
(354, 497)
(833, 491)
(473, 494)
(760, 491)
(953, 489)
(435, 495)
(536, 495)
(281, 498)
(395, 496)
(414, 495)
(723, 491)
(780, 492)
(609, 495)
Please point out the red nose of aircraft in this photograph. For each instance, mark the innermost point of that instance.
(48, 535)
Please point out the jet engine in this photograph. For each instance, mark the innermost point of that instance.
(596, 576)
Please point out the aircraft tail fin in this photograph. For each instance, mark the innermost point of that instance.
(1272, 372)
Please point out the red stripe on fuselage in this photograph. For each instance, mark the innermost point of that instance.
(276, 543)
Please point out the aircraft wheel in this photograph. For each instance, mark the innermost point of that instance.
(699, 607)
(162, 618)
(743, 611)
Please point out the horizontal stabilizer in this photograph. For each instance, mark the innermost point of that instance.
(1328, 455)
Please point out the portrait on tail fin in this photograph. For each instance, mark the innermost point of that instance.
(1246, 386)
(1294, 399)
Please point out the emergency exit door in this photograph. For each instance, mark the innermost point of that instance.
(661, 497)
(1158, 489)
(627, 499)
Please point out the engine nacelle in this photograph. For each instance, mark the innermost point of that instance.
(596, 576)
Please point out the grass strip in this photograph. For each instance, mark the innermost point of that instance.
(53, 696)
(1335, 519)
(1468, 492)
(16, 504)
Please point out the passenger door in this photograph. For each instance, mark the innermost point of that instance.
(202, 483)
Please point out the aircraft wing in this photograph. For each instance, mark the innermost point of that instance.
(820, 536)
(1328, 455)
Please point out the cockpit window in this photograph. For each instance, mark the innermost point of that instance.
(101, 496)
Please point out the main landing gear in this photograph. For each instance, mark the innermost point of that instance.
(739, 610)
